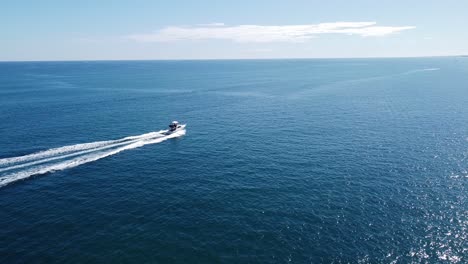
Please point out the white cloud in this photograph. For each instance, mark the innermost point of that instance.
(257, 33)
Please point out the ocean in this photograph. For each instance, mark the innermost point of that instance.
(282, 161)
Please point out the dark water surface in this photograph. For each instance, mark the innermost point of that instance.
(356, 160)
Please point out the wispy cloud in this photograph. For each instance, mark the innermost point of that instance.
(258, 33)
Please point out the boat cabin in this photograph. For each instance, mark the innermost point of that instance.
(173, 126)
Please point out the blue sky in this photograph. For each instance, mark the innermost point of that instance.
(144, 29)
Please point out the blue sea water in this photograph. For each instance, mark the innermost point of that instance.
(302, 161)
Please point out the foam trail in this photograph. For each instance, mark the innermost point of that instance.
(421, 70)
(76, 153)
(71, 148)
(90, 157)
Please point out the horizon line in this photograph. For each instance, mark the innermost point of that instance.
(226, 59)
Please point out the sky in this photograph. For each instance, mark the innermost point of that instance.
(148, 29)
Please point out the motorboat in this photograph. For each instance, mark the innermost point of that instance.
(175, 127)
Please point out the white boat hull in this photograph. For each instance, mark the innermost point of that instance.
(179, 128)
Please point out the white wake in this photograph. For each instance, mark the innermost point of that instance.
(22, 167)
